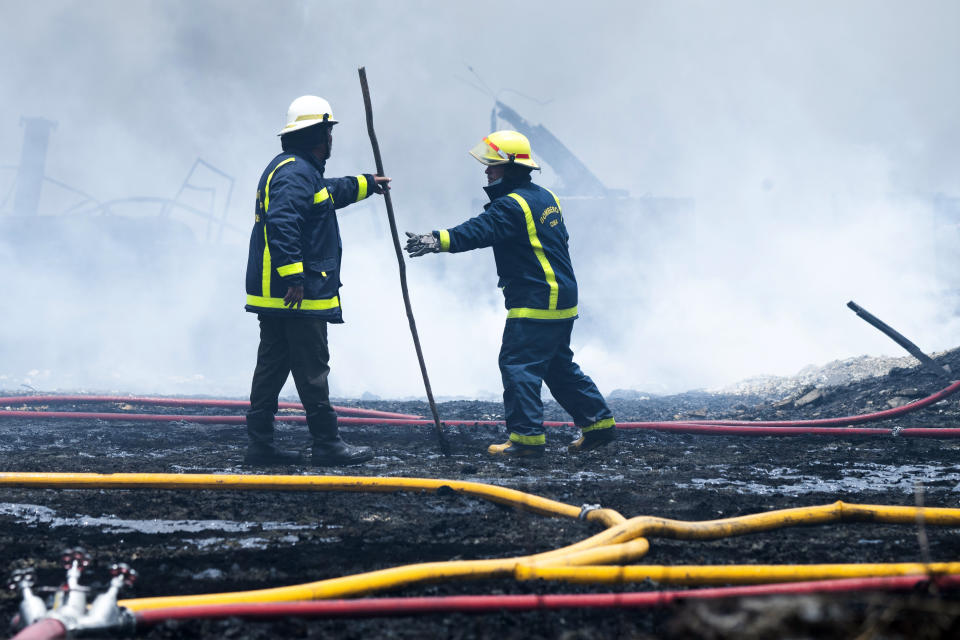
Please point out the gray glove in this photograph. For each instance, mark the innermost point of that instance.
(418, 245)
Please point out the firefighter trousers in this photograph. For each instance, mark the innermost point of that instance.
(534, 352)
(298, 345)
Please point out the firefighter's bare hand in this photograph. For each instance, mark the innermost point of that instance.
(381, 184)
(294, 297)
(418, 245)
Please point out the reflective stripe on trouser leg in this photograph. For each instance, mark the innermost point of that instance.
(269, 376)
(528, 440)
(599, 425)
(309, 363)
(574, 390)
(524, 358)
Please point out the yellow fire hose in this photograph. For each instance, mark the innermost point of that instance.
(617, 544)
(729, 574)
(510, 497)
(365, 583)
(650, 527)
(624, 540)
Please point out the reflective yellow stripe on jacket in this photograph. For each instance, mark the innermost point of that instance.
(538, 251)
(290, 269)
(266, 301)
(266, 189)
(542, 314)
(306, 305)
(557, 200)
(361, 187)
(267, 264)
(551, 312)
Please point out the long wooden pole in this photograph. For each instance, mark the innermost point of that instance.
(441, 438)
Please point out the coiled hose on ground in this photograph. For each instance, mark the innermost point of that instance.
(620, 543)
(587, 561)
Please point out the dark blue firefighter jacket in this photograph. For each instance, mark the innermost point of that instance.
(296, 238)
(524, 225)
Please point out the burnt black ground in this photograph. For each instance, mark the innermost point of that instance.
(231, 541)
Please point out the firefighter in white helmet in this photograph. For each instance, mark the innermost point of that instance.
(293, 283)
(524, 224)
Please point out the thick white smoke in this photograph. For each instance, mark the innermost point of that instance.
(816, 142)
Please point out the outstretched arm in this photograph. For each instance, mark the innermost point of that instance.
(351, 189)
(502, 220)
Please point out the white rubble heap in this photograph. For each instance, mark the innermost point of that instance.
(837, 372)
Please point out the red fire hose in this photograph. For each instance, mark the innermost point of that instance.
(836, 422)
(677, 427)
(188, 402)
(824, 426)
(370, 607)
(728, 430)
(47, 629)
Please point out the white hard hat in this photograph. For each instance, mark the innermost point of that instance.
(307, 111)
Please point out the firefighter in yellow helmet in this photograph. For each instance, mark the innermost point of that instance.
(293, 283)
(524, 224)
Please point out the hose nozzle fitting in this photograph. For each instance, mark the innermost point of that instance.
(70, 603)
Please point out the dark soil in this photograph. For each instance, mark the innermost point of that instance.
(185, 542)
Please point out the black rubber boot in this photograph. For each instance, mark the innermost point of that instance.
(592, 440)
(261, 452)
(329, 449)
(510, 449)
(338, 452)
(268, 455)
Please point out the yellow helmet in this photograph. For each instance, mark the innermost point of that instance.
(504, 147)
(307, 111)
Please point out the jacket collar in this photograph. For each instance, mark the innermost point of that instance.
(505, 186)
(317, 164)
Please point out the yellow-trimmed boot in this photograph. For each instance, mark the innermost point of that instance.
(510, 449)
(594, 436)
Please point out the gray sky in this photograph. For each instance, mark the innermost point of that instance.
(814, 138)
